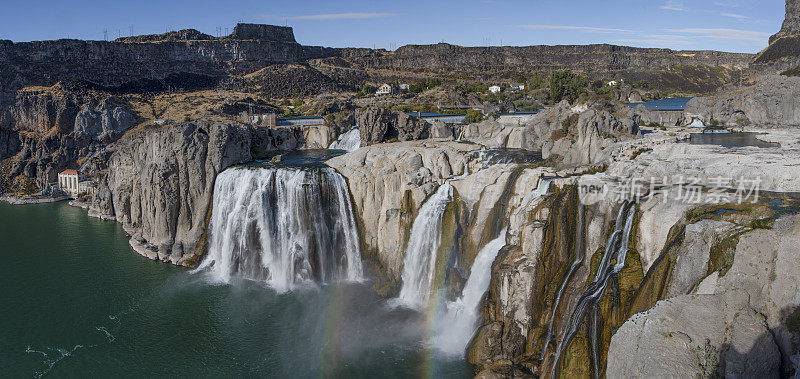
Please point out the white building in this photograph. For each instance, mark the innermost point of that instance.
(87, 186)
(516, 87)
(385, 89)
(404, 87)
(68, 182)
(495, 89)
(71, 183)
(612, 83)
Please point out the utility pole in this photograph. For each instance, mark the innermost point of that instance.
(131, 29)
(105, 35)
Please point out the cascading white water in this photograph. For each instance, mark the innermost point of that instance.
(349, 141)
(282, 226)
(616, 247)
(697, 123)
(420, 259)
(459, 321)
(541, 189)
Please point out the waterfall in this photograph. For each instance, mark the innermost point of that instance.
(459, 321)
(420, 259)
(349, 141)
(282, 226)
(541, 189)
(617, 247)
(696, 123)
(576, 264)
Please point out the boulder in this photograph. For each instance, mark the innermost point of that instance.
(378, 125)
(441, 130)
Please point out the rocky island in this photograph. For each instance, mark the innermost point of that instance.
(560, 226)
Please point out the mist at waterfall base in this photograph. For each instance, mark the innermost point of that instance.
(454, 322)
(423, 244)
(457, 322)
(283, 226)
(77, 301)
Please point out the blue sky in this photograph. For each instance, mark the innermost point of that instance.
(727, 25)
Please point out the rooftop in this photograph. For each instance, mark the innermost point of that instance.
(69, 172)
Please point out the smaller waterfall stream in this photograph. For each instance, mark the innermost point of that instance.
(576, 264)
(420, 258)
(349, 141)
(616, 247)
(282, 226)
(459, 321)
(541, 189)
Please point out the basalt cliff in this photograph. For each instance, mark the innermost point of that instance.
(784, 47)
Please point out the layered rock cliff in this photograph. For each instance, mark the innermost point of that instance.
(48, 130)
(791, 23)
(159, 183)
(145, 63)
(783, 52)
(591, 58)
(772, 101)
(662, 67)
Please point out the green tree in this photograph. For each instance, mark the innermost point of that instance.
(366, 90)
(473, 116)
(566, 85)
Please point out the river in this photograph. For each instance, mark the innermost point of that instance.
(77, 301)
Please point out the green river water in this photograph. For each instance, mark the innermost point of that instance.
(77, 302)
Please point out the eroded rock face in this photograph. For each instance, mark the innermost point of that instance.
(160, 183)
(104, 121)
(695, 336)
(577, 134)
(595, 133)
(530, 136)
(770, 165)
(378, 125)
(627, 94)
(52, 130)
(791, 24)
(389, 182)
(783, 52)
(693, 255)
(740, 328)
(773, 101)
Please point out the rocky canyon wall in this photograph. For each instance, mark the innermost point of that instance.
(49, 130)
(159, 183)
(783, 52)
(145, 62)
